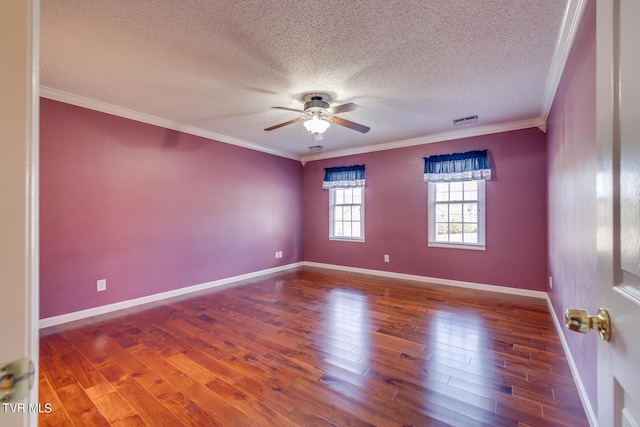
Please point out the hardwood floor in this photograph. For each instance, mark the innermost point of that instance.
(313, 347)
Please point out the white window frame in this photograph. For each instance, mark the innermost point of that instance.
(332, 204)
(481, 218)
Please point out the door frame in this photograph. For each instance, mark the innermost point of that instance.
(19, 121)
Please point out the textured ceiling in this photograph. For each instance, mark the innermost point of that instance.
(216, 67)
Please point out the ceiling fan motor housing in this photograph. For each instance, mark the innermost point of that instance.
(315, 104)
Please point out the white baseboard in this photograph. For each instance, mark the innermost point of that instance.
(586, 403)
(83, 314)
(434, 280)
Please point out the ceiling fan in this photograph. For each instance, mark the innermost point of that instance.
(318, 115)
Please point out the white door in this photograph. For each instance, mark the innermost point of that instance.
(618, 193)
(19, 42)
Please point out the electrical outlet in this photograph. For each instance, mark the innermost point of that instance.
(279, 254)
(550, 282)
(386, 258)
(101, 285)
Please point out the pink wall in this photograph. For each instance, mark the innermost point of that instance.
(396, 214)
(151, 209)
(572, 196)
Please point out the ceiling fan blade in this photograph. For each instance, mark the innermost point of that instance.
(350, 106)
(351, 125)
(285, 123)
(288, 109)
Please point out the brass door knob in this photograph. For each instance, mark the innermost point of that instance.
(6, 383)
(580, 321)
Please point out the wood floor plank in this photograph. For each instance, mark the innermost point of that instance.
(223, 412)
(439, 407)
(259, 412)
(110, 403)
(79, 407)
(56, 372)
(270, 392)
(47, 395)
(151, 409)
(84, 373)
(314, 347)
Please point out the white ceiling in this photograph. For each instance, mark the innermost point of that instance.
(215, 68)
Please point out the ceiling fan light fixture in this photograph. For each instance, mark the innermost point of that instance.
(316, 125)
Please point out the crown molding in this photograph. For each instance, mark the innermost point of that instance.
(103, 107)
(570, 24)
(80, 101)
(429, 139)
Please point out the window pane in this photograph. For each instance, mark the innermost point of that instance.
(471, 190)
(442, 232)
(355, 213)
(348, 196)
(339, 192)
(355, 229)
(470, 233)
(357, 195)
(470, 212)
(470, 185)
(455, 232)
(455, 212)
(337, 213)
(442, 192)
(337, 229)
(346, 213)
(455, 190)
(442, 213)
(346, 229)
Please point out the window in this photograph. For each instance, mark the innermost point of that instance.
(346, 202)
(456, 189)
(346, 213)
(456, 214)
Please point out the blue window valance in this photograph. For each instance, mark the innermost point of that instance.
(344, 177)
(457, 167)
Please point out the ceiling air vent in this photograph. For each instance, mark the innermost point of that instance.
(465, 121)
(316, 148)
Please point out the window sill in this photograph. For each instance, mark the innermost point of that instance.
(346, 239)
(457, 246)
